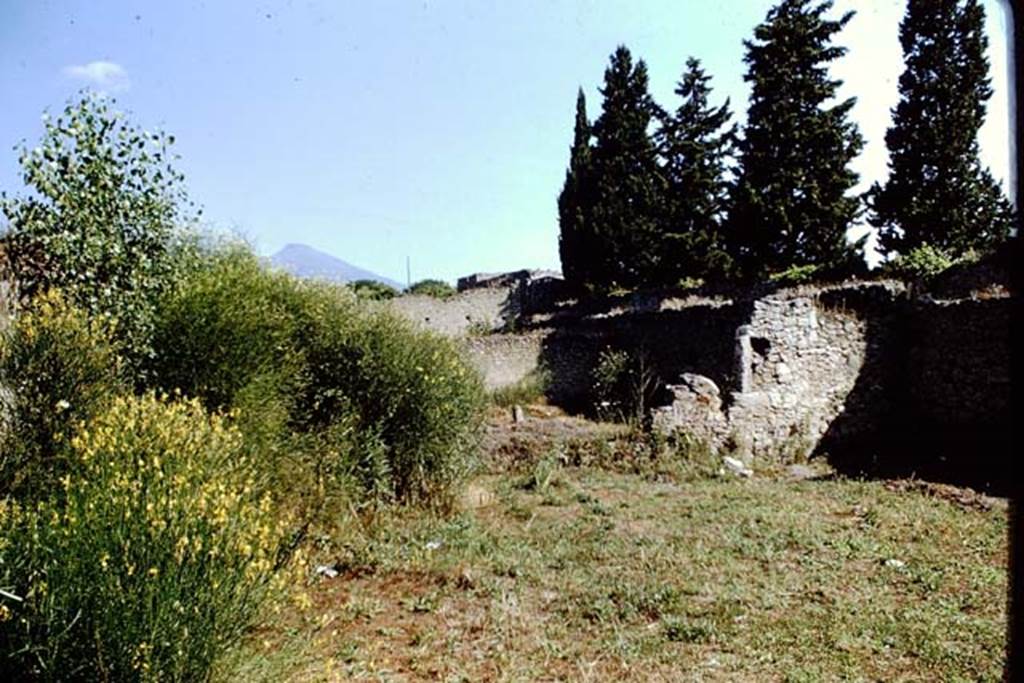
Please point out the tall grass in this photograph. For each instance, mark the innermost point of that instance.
(530, 389)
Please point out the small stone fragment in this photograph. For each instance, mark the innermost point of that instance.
(327, 570)
(800, 472)
(737, 467)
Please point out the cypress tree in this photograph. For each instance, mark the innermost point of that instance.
(628, 188)
(574, 202)
(938, 193)
(695, 146)
(790, 203)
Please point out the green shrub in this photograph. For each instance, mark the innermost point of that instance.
(156, 559)
(373, 290)
(231, 324)
(436, 288)
(922, 264)
(690, 283)
(57, 367)
(796, 275)
(396, 409)
(416, 400)
(226, 336)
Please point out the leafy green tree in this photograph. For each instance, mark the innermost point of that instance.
(574, 202)
(938, 193)
(628, 188)
(695, 144)
(101, 219)
(373, 290)
(790, 205)
(436, 288)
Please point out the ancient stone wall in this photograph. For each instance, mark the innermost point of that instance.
(474, 311)
(959, 361)
(698, 339)
(800, 357)
(865, 372)
(672, 342)
(505, 359)
(957, 404)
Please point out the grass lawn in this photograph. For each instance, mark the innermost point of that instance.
(554, 572)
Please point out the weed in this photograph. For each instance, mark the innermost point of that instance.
(531, 389)
(543, 474)
(625, 386)
(479, 328)
(796, 275)
(921, 264)
(684, 630)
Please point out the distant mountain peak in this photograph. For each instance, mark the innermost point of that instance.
(305, 261)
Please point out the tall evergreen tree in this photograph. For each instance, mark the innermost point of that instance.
(937, 192)
(695, 146)
(574, 202)
(790, 203)
(628, 188)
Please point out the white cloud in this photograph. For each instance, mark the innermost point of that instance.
(103, 75)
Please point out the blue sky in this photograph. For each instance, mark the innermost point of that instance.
(386, 129)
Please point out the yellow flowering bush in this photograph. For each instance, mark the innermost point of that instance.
(57, 367)
(158, 556)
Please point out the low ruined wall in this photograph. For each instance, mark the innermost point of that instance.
(959, 362)
(673, 342)
(698, 339)
(807, 366)
(769, 377)
(863, 372)
(505, 359)
(472, 311)
(958, 399)
(802, 358)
